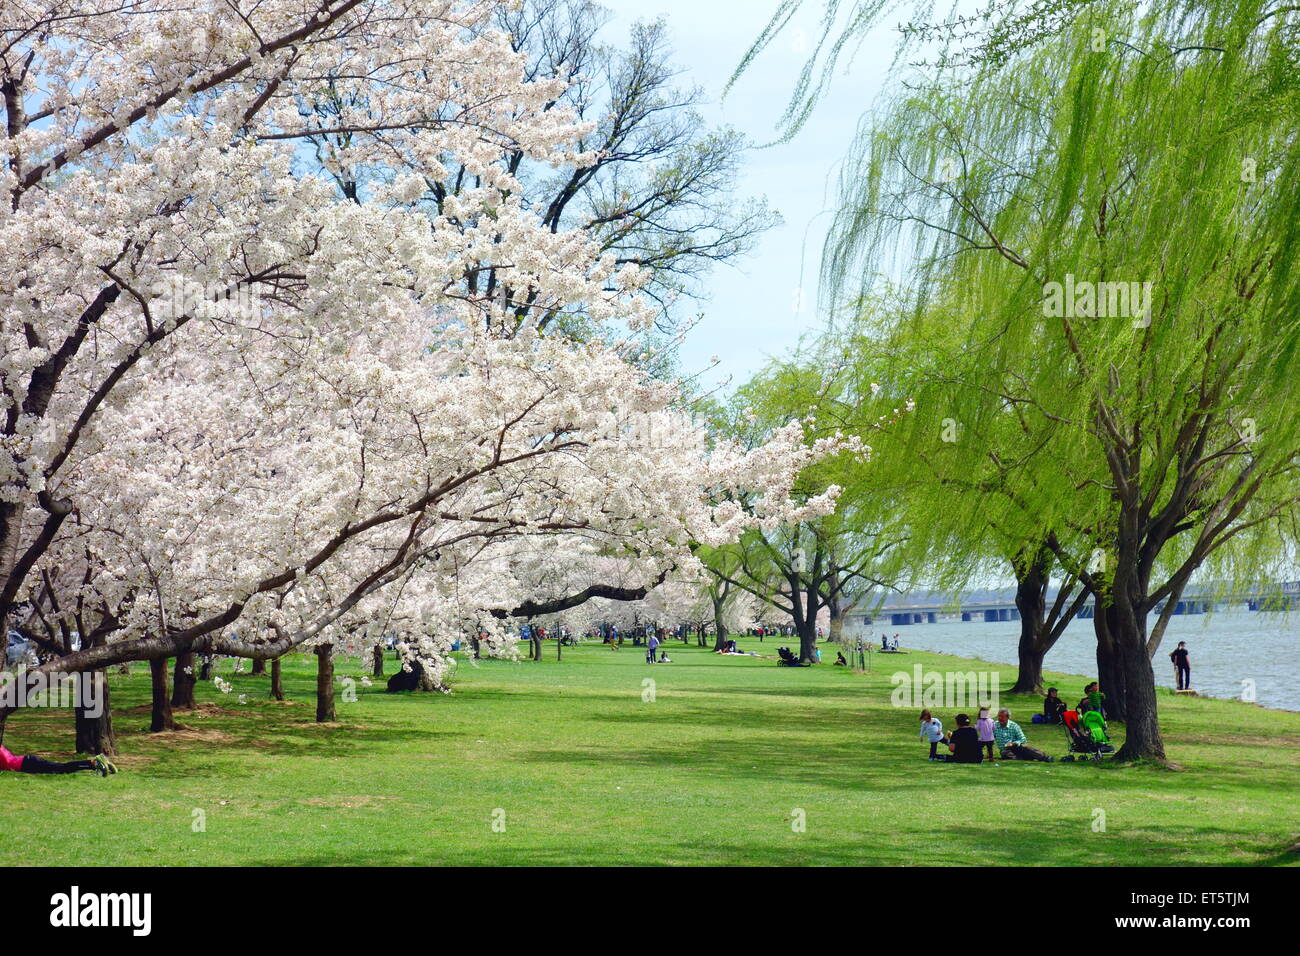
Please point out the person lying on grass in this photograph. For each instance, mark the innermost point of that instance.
(30, 763)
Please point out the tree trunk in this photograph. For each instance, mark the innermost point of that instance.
(1029, 678)
(162, 705)
(1142, 737)
(1111, 674)
(183, 682)
(1031, 602)
(835, 626)
(324, 683)
(277, 685)
(720, 634)
(205, 668)
(1122, 658)
(378, 658)
(259, 667)
(808, 640)
(95, 734)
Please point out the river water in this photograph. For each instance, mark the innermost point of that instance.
(1229, 648)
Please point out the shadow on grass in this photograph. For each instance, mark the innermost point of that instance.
(1056, 844)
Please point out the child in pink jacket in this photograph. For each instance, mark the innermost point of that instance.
(985, 727)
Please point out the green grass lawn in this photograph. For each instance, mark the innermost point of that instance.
(713, 771)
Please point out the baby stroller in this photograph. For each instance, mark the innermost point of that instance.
(1080, 742)
(787, 658)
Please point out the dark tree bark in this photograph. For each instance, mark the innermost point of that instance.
(1142, 738)
(1123, 661)
(531, 609)
(1125, 653)
(808, 640)
(95, 733)
(378, 659)
(259, 667)
(1031, 602)
(324, 683)
(162, 705)
(719, 626)
(277, 685)
(805, 614)
(1041, 624)
(183, 681)
(1111, 674)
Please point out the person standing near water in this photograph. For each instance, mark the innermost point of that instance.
(1182, 666)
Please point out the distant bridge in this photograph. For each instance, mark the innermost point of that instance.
(928, 607)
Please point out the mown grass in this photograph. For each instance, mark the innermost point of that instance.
(583, 770)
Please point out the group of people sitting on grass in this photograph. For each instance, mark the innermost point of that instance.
(1086, 725)
(1055, 707)
(1087, 720)
(970, 744)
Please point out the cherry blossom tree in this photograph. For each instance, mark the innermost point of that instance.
(246, 412)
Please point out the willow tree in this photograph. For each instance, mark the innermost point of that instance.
(954, 468)
(1116, 207)
(826, 562)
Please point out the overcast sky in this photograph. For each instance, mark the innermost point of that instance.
(761, 305)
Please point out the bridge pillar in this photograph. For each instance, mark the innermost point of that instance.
(965, 615)
(931, 617)
(990, 617)
(899, 620)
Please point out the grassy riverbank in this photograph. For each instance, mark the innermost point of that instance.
(574, 764)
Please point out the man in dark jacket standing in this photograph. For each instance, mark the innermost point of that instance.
(1182, 666)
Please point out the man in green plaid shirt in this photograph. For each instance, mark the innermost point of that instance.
(1011, 740)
